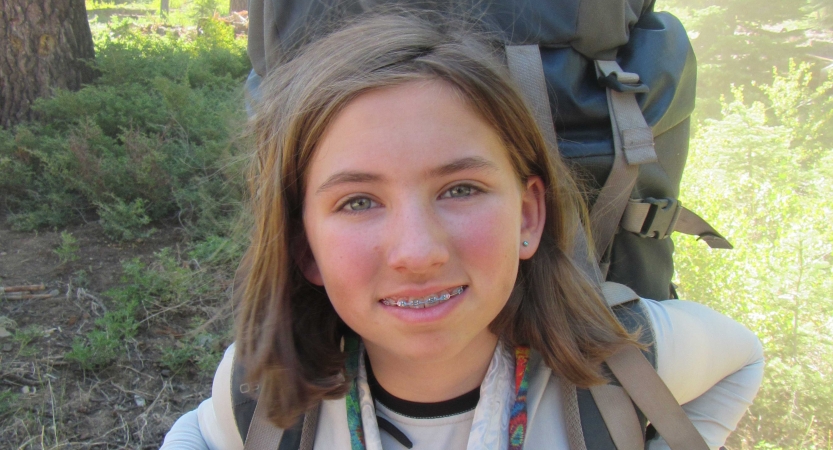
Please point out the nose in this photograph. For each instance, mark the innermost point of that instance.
(417, 240)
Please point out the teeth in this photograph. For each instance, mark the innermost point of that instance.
(423, 302)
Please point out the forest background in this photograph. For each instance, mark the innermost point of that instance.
(148, 155)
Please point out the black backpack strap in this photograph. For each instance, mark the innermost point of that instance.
(253, 425)
(243, 399)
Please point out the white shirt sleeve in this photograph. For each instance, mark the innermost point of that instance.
(211, 426)
(185, 434)
(712, 365)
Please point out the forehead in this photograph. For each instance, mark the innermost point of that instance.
(405, 128)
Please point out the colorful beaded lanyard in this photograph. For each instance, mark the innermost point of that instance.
(517, 419)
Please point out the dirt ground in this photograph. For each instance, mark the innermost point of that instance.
(49, 402)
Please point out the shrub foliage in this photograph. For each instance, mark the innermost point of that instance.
(148, 140)
(769, 168)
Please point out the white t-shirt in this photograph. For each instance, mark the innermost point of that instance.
(711, 364)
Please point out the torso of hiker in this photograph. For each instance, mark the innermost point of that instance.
(715, 386)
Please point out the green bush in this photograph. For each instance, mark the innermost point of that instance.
(103, 345)
(201, 351)
(164, 282)
(122, 221)
(145, 292)
(216, 251)
(154, 132)
(68, 250)
(770, 168)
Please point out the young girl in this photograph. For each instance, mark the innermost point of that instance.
(412, 270)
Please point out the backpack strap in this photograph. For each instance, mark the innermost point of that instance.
(645, 388)
(633, 145)
(657, 218)
(619, 416)
(251, 418)
(243, 398)
(609, 417)
(262, 434)
(527, 70)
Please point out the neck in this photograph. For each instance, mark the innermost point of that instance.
(435, 379)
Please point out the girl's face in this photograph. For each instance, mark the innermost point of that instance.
(415, 219)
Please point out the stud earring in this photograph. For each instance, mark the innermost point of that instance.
(526, 243)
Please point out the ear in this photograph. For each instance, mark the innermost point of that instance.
(306, 262)
(533, 216)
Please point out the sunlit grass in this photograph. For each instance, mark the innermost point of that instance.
(180, 12)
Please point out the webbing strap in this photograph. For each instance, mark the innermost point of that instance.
(617, 293)
(690, 223)
(309, 428)
(619, 416)
(615, 406)
(639, 211)
(527, 71)
(262, 435)
(572, 415)
(651, 395)
(633, 144)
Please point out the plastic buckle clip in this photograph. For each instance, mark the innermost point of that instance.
(661, 218)
(612, 81)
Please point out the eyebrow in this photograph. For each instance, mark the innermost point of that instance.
(348, 177)
(467, 163)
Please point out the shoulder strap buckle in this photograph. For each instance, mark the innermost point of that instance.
(652, 217)
(611, 75)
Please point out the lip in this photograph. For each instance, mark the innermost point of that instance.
(435, 313)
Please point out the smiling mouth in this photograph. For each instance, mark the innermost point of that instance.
(424, 302)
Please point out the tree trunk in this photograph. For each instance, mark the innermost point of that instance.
(47, 45)
(164, 8)
(238, 5)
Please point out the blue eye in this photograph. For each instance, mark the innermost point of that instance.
(358, 204)
(461, 190)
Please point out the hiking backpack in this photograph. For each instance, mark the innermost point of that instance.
(612, 85)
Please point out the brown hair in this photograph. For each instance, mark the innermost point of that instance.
(288, 333)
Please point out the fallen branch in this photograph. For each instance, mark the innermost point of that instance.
(18, 380)
(25, 296)
(24, 288)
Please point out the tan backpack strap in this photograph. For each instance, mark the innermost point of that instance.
(572, 416)
(619, 416)
(651, 395)
(527, 71)
(309, 428)
(613, 402)
(657, 218)
(262, 434)
(617, 293)
(633, 145)
(645, 388)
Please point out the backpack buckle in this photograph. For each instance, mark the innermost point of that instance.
(661, 218)
(611, 76)
(245, 388)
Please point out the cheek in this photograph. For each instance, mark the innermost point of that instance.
(488, 239)
(346, 257)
